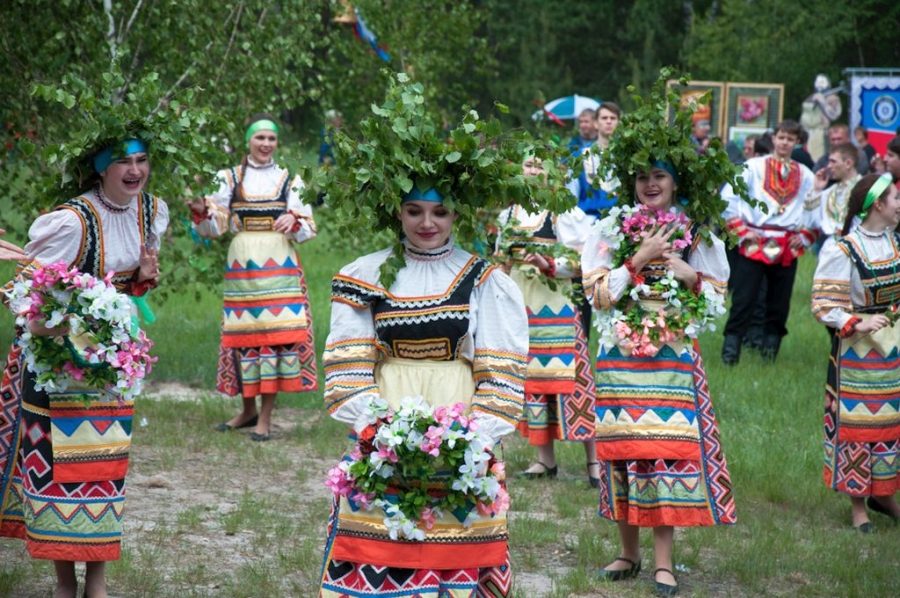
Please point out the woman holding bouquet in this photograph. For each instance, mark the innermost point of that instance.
(543, 252)
(657, 275)
(70, 510)
(267, 343)
(852, 293)
(426, 319)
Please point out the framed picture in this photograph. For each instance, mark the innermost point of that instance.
(739, 134)
(753, 105)
(712, 110)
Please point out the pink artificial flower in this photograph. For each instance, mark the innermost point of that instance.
(428, 517)
(499, 470)
(74, 371)
(388, 455)
(363, 499)
(338, 481)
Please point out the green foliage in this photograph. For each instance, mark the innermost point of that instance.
(646, 135)
(476, 168)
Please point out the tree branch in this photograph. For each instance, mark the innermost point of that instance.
(111, 32)
(237, 21)
(134, 14)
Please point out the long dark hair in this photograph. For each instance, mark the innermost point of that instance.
(239, 188)
(858, 197)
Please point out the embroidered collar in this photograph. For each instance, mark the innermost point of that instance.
(428, 255)
(258, 166)
(98, 193)
(870, 234)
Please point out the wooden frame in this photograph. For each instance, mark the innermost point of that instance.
(753, 106)
(714, 112)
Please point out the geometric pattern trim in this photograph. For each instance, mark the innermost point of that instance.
(540, 421)
(673, 492)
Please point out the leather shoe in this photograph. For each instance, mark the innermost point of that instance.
(731, 349)
(224, 427)
(664, 589)
(545, 472)
(259, 437)
(620, 574)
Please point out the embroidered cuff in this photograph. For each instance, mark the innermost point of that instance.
(551, 267)
(697, 289)
(198, 217)
(850, 327)
(636, 277)
(138, 289)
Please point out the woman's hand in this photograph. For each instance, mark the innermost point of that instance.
(40, 330)
(654, 245)
(8, 251)
(285, 223)
(537, 260)
(681, 269)
(149, 264)
(873, 324)
(197, 206)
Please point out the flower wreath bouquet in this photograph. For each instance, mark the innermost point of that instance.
(103, 349)
(417, 463)
(681, 312)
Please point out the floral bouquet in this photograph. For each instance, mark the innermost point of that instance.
(102, 349)
(682, 312)
(418, 462)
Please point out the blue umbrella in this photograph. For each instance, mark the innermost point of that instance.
(567, 107)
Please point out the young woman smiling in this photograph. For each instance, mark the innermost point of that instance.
(854, 292)
(267, 344)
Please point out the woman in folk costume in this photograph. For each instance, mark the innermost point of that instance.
(854, 292)
(65, 511)
(424, 318)
(658, 276)
(267, 342)
(559, 387)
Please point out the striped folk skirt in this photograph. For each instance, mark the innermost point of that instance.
(862, 415)
(60, 520)
(267, 342)
(667, 490)
(453, 561)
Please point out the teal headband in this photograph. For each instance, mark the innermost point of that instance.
(107, 155)
(259, 125)
(874, 192)
(668, 167)
(416, 194)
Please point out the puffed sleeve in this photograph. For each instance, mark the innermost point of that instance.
(711, 263)
(572, 230)
(305, 228)
(831, 303)
(55, 237)
(161, 222)
(351, 350)
(214, 221)
(603, 285)
(500, 323)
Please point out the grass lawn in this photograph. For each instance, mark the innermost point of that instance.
(212, 514)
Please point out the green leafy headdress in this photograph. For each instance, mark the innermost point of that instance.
(648, 137)
(475, 167)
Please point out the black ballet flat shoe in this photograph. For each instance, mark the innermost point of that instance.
(546, 472)
(621, 574)
(664, 589)
(876, 506)
(864, 528)
(594, 482)
(224, 427)
(260, 437)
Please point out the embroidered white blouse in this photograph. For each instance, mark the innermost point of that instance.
(837, 288)
(57, 235)
(262, 182)
(496, 344)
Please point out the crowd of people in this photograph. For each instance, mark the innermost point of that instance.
(507, 337)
